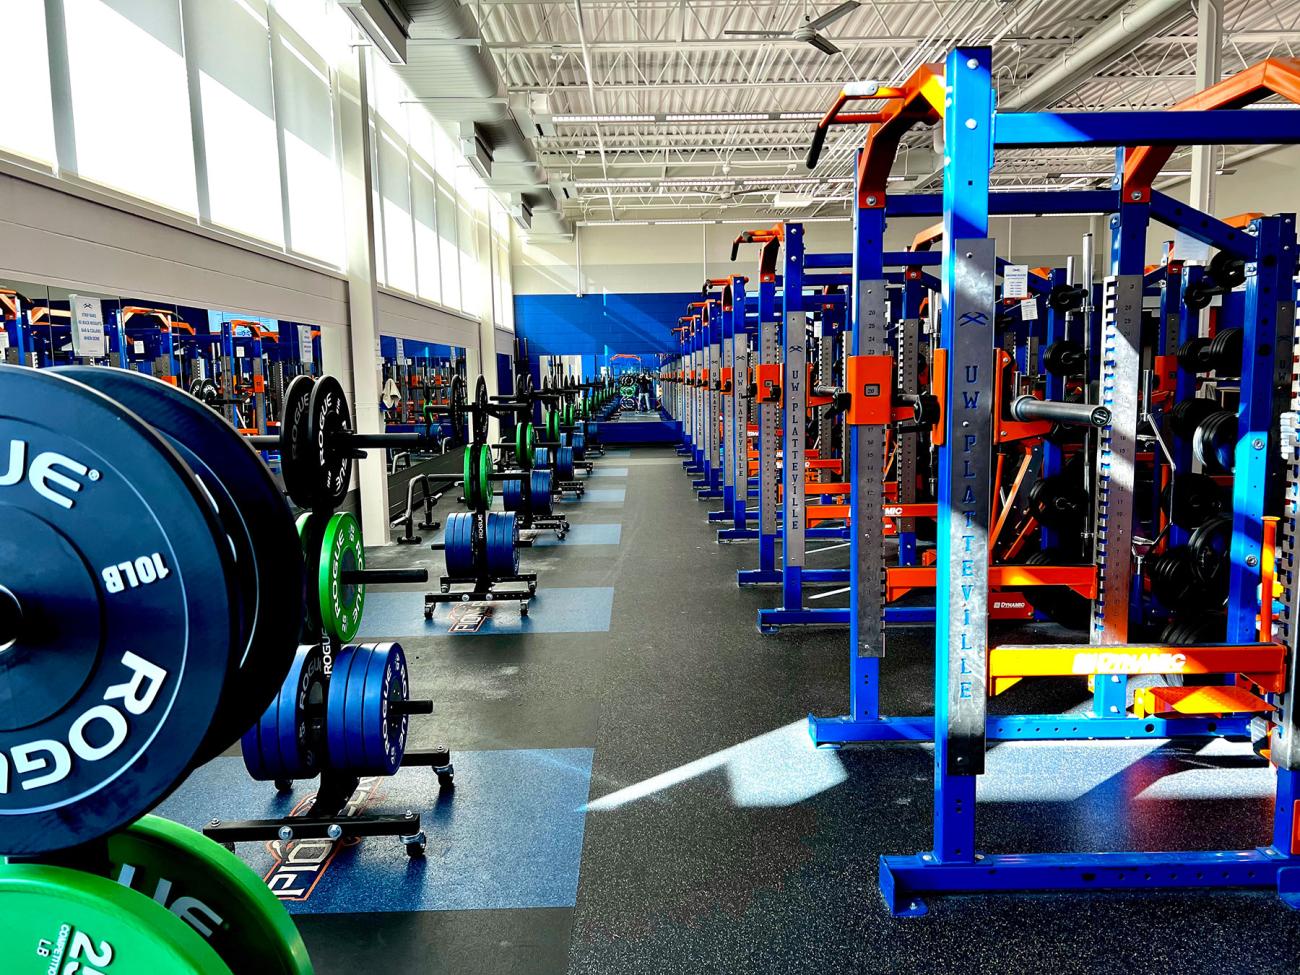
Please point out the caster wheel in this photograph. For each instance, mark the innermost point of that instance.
(428, 616)
(446, 778)
(229, 846)
(283, 785)
(415, 845)
(523, 610)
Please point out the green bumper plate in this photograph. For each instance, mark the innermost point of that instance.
(226, 903)
(64, 921)
(341, 551)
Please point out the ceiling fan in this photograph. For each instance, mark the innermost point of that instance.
(806, 31)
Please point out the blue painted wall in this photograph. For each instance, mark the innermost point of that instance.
(599, 324)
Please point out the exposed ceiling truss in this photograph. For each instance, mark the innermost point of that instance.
(652, 109)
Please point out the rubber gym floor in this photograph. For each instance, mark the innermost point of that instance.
(636, 792)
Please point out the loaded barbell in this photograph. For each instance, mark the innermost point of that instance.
(317, 444)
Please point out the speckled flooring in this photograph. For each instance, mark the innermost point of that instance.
(716, 840)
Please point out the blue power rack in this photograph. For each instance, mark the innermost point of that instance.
(962, 726)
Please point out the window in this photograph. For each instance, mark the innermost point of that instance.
(304, 110)
(26, 116)
(227, 46)
(130, 99)
(468, 191)
(392, 174)
(448, 234)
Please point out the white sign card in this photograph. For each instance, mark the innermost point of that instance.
(1015, 281)
(1187, 248)
(88, 338)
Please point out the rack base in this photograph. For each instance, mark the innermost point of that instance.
(905, 880)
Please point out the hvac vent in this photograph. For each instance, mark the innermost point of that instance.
(522, 214)
(384, 24)
(476, 149)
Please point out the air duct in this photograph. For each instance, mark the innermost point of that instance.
(1122, 33)
(449, 66)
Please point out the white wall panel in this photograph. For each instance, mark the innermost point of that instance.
(399, 316)
(54, 236)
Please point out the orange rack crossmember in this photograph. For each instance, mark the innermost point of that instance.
(1275, 76)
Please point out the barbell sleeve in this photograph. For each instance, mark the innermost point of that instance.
(400, 708)
(364, 440)
(1029, 408)
(379, 577)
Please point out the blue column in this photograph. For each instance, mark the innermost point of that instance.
(965, 460)
(1268, 283)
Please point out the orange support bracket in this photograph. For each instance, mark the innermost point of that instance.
(771, 241)
(768, 379)
(870, 382)
(1267, 577)
(1227, 699)
(920, 99)
(928, 237)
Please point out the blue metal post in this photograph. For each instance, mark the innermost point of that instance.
(794, 351)
(767, 571)
(1268, 286)
(965, 459)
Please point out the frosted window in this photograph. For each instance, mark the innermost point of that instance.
(130, 98)
(304, 109)
(227, 43)
(26, 119)
(424, 203)
(395, 191)
(471, 297)
(319, 24)
(448, 246)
